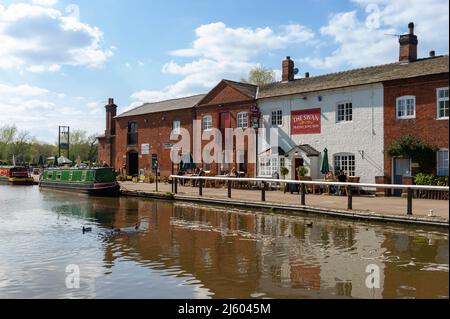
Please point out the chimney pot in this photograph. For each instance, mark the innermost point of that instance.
(110, 101)
(432, 54)
(411, 28)
(307, 75)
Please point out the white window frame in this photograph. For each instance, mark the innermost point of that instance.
(268, 170)
(276, 112)
(348, 170)
(345, 115)
(207, 122)
(438, 100)
(405, 98)
(242, 120)
(438, 168)
(176, 126)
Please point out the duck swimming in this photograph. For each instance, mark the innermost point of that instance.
(87, 229)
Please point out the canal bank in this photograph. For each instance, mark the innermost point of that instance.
(370, 208)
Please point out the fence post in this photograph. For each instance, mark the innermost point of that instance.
(200, 187)
(303, 194)
(175, 185)
(410, 199)
(229, 188)
(263, 192)
(350, 197)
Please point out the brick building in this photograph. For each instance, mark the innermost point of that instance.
(229, 105)
(144, 132)
(417, 104)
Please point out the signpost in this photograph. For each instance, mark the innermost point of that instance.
(64, 140)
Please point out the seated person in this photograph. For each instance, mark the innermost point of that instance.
(233, 172)
(342, 178)
(330, 177)
(181, 172)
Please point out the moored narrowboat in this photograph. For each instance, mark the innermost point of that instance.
(15, 175)
(92, 181)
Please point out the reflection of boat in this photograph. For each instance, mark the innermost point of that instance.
(92, 181)
(15, 175)
(36, 175)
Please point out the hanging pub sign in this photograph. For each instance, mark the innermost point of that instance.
(306, 122)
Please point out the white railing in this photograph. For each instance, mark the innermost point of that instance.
(302, 187)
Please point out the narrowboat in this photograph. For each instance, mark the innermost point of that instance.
(15, 175)
(91, 181)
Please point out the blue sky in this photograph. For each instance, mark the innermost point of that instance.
(61, 60)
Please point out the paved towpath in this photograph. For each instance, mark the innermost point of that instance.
(388, 206)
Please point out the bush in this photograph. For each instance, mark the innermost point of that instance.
(414, 148)
(302, 171)
(430, 180)
(284, 171)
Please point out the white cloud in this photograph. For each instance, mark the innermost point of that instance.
(45, 2)
(222, 52)
(364, 42)
(39, 38)
(35, 109)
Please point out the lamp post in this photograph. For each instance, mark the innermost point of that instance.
(256, 115)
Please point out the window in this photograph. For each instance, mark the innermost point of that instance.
(242, 120)
(442, 162)
(442, 103)
(132, 133)
(344, 112)
(345, 162)
(207, 122)
(176, 127)
(277, 118)
(268, 165)
(406, 107)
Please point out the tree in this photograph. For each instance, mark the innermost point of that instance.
(260, 76)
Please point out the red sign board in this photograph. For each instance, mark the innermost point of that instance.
(306, 122)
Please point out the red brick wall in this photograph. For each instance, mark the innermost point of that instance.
(153, 129)
(424, 126)
(233, 109)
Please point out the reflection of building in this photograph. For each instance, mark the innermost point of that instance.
(236, 254)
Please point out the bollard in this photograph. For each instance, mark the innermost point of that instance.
(263, 192)
(229, 188)
(303, 194)
(349, 197)
(200, 187)
(410, 199)
(175, 185)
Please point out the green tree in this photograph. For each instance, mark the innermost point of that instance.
(260, 76)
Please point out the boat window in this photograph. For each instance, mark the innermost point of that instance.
(58, 175)
(83, 176)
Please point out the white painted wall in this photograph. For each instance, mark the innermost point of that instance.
(364, 133)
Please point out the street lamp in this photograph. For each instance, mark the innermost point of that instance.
(256, 115)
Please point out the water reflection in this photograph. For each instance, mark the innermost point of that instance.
(191, 251)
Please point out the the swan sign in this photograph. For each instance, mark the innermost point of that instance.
(306, 122)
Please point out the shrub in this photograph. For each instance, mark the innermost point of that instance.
(430, 180)
(302, 171)
(412, 147)
(284, 171)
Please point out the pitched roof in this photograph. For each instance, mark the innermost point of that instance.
(164, 106)
(306, 148)
(248, 89)
(374, 74)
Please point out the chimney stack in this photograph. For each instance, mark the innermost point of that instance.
(307, 75)
(288, 70)
(111, 112)
(432, 54)
(408, 45)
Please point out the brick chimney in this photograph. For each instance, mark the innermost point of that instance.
(288, 70)
(111, 112)
(408, 45)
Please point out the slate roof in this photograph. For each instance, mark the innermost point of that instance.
(248, 89)
(374, 74)
(307, 149)
(164, 106)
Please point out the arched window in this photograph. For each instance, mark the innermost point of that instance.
(132, 133)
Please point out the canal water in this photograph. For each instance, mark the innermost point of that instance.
(192, 251)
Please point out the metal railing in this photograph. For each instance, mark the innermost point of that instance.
(350, 187)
